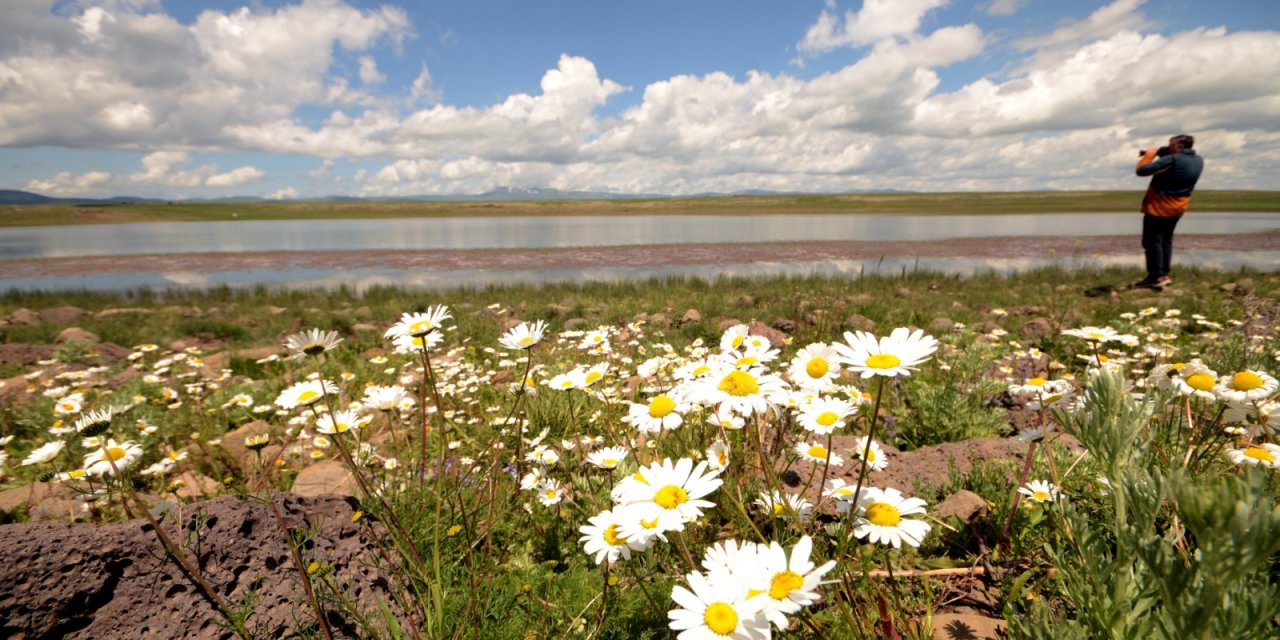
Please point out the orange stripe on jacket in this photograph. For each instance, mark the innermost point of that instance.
(1158, 204)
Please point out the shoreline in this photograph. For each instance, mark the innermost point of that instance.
(1061, 247)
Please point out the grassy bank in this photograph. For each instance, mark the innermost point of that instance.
(916, 203)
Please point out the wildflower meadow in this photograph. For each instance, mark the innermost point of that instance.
(910, 457)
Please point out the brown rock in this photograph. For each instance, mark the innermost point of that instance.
(365, 327)
(777, 339)
(25, 318)
(967, 624)
(113, 581)
(725, 323)
(941, 325)
(963, 504)
(902, 292)
(45, 501)
(23, 355)
(76, 334)
(1037, 328)
(561, 310)
(328, 476)
(61, 315)
(746, 301)
(784, 325)
(858, 322)
(575, 324)
(660, 320)
(233, 442)
(258, 353)
(196, 486)
(691, 316)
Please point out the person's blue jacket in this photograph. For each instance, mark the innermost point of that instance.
(1175, 174)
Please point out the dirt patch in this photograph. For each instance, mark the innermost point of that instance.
(20, 354)
(114, 581)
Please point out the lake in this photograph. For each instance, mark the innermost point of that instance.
(535, 232)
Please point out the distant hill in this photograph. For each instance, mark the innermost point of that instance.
(16, 197)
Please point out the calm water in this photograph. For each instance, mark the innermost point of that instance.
(572, 231)
(362, 279)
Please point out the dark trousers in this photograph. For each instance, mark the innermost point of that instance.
(1157, 241)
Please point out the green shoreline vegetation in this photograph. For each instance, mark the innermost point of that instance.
(1205, 201)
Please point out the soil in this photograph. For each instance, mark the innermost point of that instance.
(1062, 247)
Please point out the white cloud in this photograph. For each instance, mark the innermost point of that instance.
(369, 74)
(876, 20)
(1117, 17)
(287, 193)
(236, 177)
(1003, 7)
(423, 89)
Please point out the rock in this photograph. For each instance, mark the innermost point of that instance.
(61, 315)
(115, 311)
(328, 476)
(784, 325)
(217, 361)
(362, 313)
(233, 442)
(1037, 328)
(598, 310)
(114, 581)
(365, 327)
(25, 318)
(1228, 287)
(777, 339)
(746, 301)
(258, 353)
(858, 322)
(691, 316)
(660, 320)
(575, 324)
(19, 354)
(76, 334)
(725, 323)
(275, 311)
(561, 310)
(45, 501)
(902, 292)
(508, 323)
(967, 624)
(963, 504)
(941, 325)
(196, 486)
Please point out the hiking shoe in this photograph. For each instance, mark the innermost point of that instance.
(1163, 281)
(1144, 284)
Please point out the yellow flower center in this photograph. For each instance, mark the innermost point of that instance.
(639, 478)
(661, 407)
(818, 451)
(778, 508)
(593, 376)
(701, 370)
(611, 536)
(721, 619)
(883, 514)
(747, 361)
(551, 493)
(869, 454)
(784, 583)
(1246, 381)
(1036, 382)
(827, 418)
(308, 395)
(1040, 495)
(420, 328)
(526, 341)
(609, 462)
(1177, 366)
(1102, 358)
(116, 453)
(1201, 382)
(883, 361)
(816, 368)
(649, 524)
(671, 496)
(1258, 453)
(737, 341)
(739, 383)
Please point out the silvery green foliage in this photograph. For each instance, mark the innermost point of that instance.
(1169, 555)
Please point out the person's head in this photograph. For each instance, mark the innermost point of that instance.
(1180, 142)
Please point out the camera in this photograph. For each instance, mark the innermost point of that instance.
(1160, 153)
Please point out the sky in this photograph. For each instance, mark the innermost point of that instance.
(314, 98)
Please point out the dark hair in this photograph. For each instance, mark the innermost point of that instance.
(1185, 140)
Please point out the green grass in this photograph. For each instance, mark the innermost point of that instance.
(895, 203)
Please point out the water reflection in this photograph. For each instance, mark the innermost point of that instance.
(361, 279)
(573, 231)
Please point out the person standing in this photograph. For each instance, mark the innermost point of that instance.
(1174, 171)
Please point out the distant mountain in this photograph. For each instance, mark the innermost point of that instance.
(14, 196)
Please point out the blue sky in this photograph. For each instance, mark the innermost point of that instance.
(307, 98)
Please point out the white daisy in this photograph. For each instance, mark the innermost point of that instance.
(790, 583)
(661, 413)
(1039, 491)
(881, 518)
(779, 505)
(603, 538)
(44, 453)
(814, 367)
(671, 491)
(304, 394)
(1263, 454)
(894, 355)
(1196, 380)
(744, 392)
(523, 336)
(814, 452)
(867, 448)
(417, 325)
(1246, 386)
(824, 415)
(311, 342)
(717, 607)
(607, 457)
(733, 337)
(98, 462)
